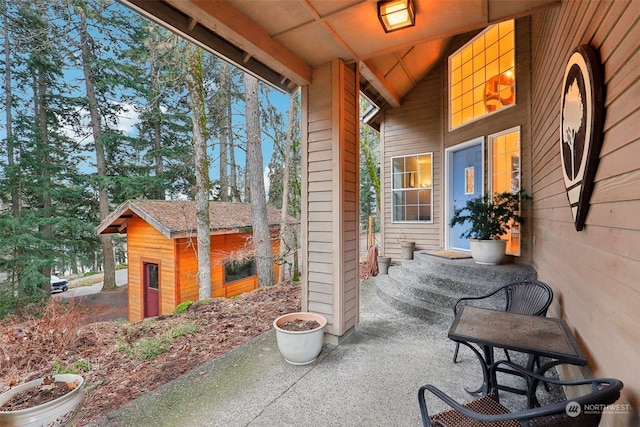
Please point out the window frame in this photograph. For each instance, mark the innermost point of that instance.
(405, 189)
(251, 260)
(491, 190)
(450, 72)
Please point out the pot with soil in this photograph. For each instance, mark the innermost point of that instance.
(50, 401)
(300, 336)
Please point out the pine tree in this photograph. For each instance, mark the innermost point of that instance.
(195, 85)
(255, 178)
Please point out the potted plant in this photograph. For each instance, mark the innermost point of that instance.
(52, 401)
(300, 336)
(490, 217)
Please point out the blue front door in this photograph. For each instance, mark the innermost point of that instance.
(466, 183)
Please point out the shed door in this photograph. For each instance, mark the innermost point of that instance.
(151, 290)
(466, 183)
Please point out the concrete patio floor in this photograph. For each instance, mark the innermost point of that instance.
(371, 379)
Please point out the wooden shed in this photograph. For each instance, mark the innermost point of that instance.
(162, 251)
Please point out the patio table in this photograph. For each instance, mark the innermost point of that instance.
(534, 335)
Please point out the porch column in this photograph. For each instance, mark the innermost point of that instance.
(330, 209)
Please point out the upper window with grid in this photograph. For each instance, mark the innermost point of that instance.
(482, 75)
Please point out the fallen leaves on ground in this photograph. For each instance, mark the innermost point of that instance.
(122, 361)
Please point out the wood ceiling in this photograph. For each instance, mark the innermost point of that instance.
(280, 41)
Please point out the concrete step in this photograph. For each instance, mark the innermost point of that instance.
(390, 293)
(427, 286)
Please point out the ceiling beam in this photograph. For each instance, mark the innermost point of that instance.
(376, 79)
(189, 28)
(233, 26)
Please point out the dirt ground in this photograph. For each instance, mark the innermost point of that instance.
(121, 361)
(106, 306)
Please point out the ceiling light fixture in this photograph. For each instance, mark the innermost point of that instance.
(396, 14)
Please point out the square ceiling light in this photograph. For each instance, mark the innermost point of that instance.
(396, 14)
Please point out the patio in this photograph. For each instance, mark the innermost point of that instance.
(379, 367)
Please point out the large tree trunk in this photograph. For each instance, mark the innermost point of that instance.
(109, 266)
(195, 86)
(15, 197)
(43, 128)
(285, 246)
(255, 178)
(225, 129)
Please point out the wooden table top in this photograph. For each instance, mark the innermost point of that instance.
(542, 336)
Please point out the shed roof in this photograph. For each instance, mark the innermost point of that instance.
(176, 219)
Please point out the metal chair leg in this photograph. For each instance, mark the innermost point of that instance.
(455, 353)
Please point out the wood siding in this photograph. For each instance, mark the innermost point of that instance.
(179, 265)
(146, 244)
(594, 273)
(330, 196)
(414, 128)
(421, 125)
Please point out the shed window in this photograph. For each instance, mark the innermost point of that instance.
(482, 75)
(238, 270)
(412, 180)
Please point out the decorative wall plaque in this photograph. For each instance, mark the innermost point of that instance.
(581, 118)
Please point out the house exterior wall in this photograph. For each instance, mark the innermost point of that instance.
(330, 178)
(177, 260)
(221, 246)
(421, 125)
(146, 244)
(594, 273)
(414, 128)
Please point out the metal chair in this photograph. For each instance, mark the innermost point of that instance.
(583, 411)
(524, 297)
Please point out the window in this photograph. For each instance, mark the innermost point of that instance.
(482, 75)
(238, 270)
(505, 175)
(412, 180)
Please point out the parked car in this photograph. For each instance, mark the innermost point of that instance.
(58, 284)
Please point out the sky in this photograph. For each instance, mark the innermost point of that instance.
(129, 118)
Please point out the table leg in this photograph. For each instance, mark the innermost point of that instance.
(532, 400)
(486, 361)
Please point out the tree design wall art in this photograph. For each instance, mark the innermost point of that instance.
(581, 118)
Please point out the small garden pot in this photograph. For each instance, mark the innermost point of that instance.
(407, 249)
(58, 412)
(383, 264)
(300, 347)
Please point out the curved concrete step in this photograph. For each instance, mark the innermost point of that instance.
(427, 286)
(390, 293)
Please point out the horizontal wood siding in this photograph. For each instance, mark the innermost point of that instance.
(414, 128)
(595, 272)
(349, 183)
(146, 244)
(317, 221)
(222, 248)
(330, 196)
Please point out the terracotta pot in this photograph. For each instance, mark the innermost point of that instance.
(58, 412)
(300, 347)
(383, 264)
(487, 252)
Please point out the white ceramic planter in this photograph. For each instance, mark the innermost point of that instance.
(487, 252)
(300, 347)
(58, 412)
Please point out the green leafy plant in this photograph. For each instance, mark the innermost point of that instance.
(182, 307)
(490, 217)
(77, 367)
(149, 348)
